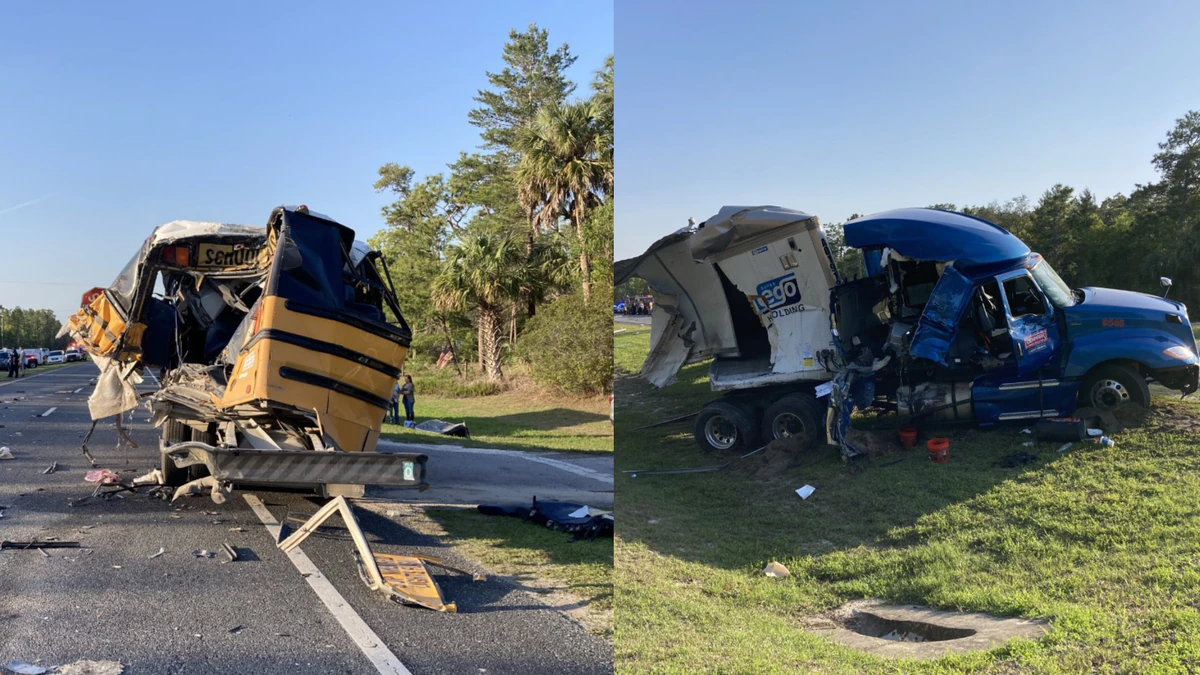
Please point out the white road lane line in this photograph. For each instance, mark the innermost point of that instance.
(47, 413)
(515, 454)
(358, 630)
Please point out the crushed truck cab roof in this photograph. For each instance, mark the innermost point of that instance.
(933, 234)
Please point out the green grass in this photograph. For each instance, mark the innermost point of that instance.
(1102, 542)
(537, 559)
(1196, 330)
(519, 418)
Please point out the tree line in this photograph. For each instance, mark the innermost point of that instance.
(523, 220)
(1123, 241)
(29, 328)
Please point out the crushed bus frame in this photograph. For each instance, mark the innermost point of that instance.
(276, 354)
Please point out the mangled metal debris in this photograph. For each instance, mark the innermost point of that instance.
(405, 579)
(278, 346)
(444, 428)
(953, 319)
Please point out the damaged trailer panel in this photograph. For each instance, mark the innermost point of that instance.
(956, 319)
(277, 358)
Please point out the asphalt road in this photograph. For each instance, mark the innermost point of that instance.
(638, 319)
(177, 613)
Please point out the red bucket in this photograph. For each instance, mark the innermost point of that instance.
(908, 438)
(939, 449)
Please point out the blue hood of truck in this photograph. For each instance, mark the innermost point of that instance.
(1113, 303)
(930, 234)
(1131, 309)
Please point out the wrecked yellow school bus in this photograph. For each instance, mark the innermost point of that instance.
(276, 357)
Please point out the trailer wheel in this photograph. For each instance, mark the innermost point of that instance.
(794, 416)
(174, 432)
(1107, 387)
(724, 425)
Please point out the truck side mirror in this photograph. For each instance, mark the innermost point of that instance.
(1166, 284)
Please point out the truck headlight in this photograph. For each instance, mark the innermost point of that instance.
(1180, 352)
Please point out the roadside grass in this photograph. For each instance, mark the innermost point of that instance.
(1103, 542)
(1196, 330)
(538, 560)
(517, 418)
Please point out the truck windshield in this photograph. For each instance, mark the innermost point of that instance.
(1051, 284)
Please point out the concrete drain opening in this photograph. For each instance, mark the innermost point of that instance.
(912, 632)
(872, 625)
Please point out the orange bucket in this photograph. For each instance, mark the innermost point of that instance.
(939, 449)
(908, 438)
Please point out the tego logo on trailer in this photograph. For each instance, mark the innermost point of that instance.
(779, 296)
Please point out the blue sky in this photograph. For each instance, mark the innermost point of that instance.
(118, 117)
(836, 108)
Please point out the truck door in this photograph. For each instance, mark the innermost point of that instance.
(1031, 324)
(939, 321)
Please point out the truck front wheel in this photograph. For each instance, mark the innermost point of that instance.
(1107, 387)
(724, 425)
(798, 416)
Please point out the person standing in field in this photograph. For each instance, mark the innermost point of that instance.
(408, 392)
(394, 412)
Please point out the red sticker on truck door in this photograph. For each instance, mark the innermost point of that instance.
(1036, 341)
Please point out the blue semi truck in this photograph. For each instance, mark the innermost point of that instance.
(954, 318)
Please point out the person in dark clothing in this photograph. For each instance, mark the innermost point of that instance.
(394, 412)
(407, 392)
(14, 363)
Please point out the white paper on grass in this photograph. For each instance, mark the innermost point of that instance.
(805, 491)
(587, 512)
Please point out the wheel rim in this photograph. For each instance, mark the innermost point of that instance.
(720, 433)
(1109, 393)
(786, 425)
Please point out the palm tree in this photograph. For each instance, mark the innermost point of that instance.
(566, 169)
(481, 273)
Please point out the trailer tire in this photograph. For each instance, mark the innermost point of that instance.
(797, 415)
(1107, 387)
(174, 432)
(724, 425)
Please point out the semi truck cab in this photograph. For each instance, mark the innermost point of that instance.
(954, 319)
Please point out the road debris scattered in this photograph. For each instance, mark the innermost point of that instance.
(161, 550)
(23, 545)
(24, 668)
(806, 491)
(202, 553)
(776, 570)
(229, 551)
(404, 579)
(52, 468)
(102, 476)
(236, 629)
(1065, 446)
(5, 453)
(560, 516)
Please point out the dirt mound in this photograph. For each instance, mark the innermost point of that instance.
(874, 443)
